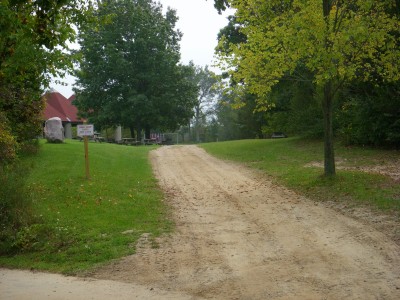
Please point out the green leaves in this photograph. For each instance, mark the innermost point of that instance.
(336, 41)
(355, 40)
(130, 73)
(33, 47)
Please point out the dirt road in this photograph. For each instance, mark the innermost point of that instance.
(238, 236)
(241, 237)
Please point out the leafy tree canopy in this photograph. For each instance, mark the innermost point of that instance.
(337, 41)
(221, 5)
(355, 39)
(130, 73)
(33, 46)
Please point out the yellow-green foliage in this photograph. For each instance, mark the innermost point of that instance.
(8, 145)
(356, 39)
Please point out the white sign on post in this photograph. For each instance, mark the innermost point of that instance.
(85, 130)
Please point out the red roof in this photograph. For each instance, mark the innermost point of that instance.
(59, 106)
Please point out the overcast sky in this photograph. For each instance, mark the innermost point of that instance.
(198, 21)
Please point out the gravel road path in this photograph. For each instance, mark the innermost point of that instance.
(238, 236)
(241, 237)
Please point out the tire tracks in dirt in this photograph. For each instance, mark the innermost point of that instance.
(239, 236)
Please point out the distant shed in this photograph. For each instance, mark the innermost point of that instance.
(59, 106)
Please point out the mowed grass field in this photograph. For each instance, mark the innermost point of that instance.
(293, 162)
(88, 222)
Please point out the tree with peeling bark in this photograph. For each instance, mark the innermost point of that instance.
(337, 41)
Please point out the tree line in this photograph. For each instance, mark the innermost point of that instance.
(296, 57)
(317, 68)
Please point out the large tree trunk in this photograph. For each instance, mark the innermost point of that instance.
(190, 131)
(132, 130)
(139, 132)
(147, 132)
(197, 124)
(329, 155)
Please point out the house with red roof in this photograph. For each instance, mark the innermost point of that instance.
(59, 106)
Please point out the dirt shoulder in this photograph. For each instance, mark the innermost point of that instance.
(28, 285)
(239, 236)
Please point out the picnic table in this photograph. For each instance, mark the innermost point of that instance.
(97, 138)
(130, 141)
(94, 138)
(150, 141)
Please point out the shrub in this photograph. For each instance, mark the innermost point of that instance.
(370, 115)
(8, 144)
(29, 147)
(15, 204)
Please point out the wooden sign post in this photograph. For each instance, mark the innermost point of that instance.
(86, 143)
(86, 131)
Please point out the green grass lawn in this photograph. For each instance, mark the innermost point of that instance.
(90, 222)
(286, 159)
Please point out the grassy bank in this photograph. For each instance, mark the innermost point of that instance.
(290, 162)
(82, 223)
